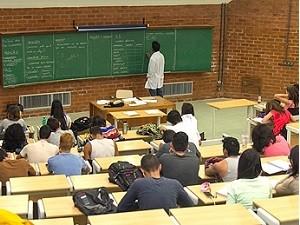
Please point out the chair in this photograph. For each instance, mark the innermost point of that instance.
(124, 93)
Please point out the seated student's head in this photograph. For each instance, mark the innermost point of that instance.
(180, 142)
(150, 165)
(155, 46)
(95, 131)
(44, 132)
(98, 121)
(231, 146)
(294, 160)
(3, 154)
(168, 136)
(14, 138)
(249, 165)
(274, 105)
(174, 117)
(13, 113)
(53, 123)
(262, 136)
(66, 142)
(293, 93)
(187, 108)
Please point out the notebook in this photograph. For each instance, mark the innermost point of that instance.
(275, 166)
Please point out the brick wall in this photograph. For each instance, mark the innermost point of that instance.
(255, 46)
(83, 91)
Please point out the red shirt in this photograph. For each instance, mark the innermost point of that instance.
(280, 119)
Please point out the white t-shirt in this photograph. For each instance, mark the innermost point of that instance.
(155, 75)
(55, 136)
(39, 152)
(102, 148)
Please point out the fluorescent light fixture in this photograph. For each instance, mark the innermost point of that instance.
(111, 27)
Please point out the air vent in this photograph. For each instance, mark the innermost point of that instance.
(44, 100)
(178, 88)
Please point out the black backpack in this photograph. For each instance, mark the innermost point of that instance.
(123, 174)
(94, 202)
(81, 124)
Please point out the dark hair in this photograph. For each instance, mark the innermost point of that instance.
(13, 113)
(95, 130)
(231, 145)
(98, 121)
(294, 158)
(168, 136)
(187, 108)
(262, 136)
(57, 112)
(174, 117)
(3, 154)
(155, 46)
(45, 132)
(180, 141)
(249, 165)
(53, 123)
(150, 163)
(14, 138)
(274, 105)
(293, 93)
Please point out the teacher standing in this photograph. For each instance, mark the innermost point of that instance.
(155, 75)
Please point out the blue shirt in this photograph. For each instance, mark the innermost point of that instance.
(66, 163)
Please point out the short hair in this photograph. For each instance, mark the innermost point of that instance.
(168, 136)
(294, 158)
(231, 145)
(14, 138)
(262, 136)
(150, 163)
(45, 132)
(98, 121)
(274, 105)
(53, 123)
(95, 130)
(174, 117)
(66, 142)
(180, 141)
(3, 154)
(187, 108)
(249, 165)
(155, 46)
(13, 113)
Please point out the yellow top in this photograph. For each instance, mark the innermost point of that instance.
(231, 103)
(57, 221)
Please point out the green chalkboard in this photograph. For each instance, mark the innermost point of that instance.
(34, 58)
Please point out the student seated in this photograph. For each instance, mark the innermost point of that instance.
(109, 132)
(267, 144)
(290, 100)
(99, 146)
(13, 117)
(164, 148)
(56, 131)
(58, 113)
(290, 184)
(13, 168)
(179, 164)
(226, 168)
(41, 151)
(14, 138)
(249, 184)
(66, 162)
(153, 191)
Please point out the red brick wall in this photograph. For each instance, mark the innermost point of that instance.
(256, 32)
(83, 91)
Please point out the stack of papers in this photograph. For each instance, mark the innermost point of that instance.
(102, 102)
(152, 111)
(129, 100)
(131, 113)
(275, 166)
(138, 102)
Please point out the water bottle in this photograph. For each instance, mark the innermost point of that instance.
(125, 127)
(44, 121)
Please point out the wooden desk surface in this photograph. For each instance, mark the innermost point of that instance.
(272, 158)
(43, 169)
(15, 203)
(60, 207)
(146, 217)
(234, 214)
(202, 174)
(118, 196)
(294, 127)
(156, 143)
(105, 162)
(132, 146)
(121, 115)
(285, 209)
(132, 135)
(38, 184)
(56, 221)
(231, 103)
(83, 182)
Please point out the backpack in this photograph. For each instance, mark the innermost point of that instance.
(94, 202)
(81, 124)
(123, 174)
(150, 129)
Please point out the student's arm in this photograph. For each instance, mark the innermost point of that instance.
(128, 201)
(221, 168)
(151, 68)
(87, 151)
(267, 118)
(230, 195)
(282, 98)
(183, 199)
(282, 187)
(116, 149)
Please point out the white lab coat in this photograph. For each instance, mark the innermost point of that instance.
(155, 75)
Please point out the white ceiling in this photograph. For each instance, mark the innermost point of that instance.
(86, 3)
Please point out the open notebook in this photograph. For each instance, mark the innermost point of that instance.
(275, 166)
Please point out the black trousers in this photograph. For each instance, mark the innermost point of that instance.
(156, 92)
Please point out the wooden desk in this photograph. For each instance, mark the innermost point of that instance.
(61, 207)
(155, 144)
(293, 133)
(272, 158)
(17, 204)
(43, 169)
(234, 103)
(234, 214)
(146, 217)
(57, 221)
(84, 182)
(284, 209)
(133, 147)
(202, 174)
(118, 196)
(132, 135)
(138, 119)
(104, 163)
(40, 186)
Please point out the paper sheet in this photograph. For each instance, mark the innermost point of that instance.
(131, 113)
(152, 111)
(102, 102)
